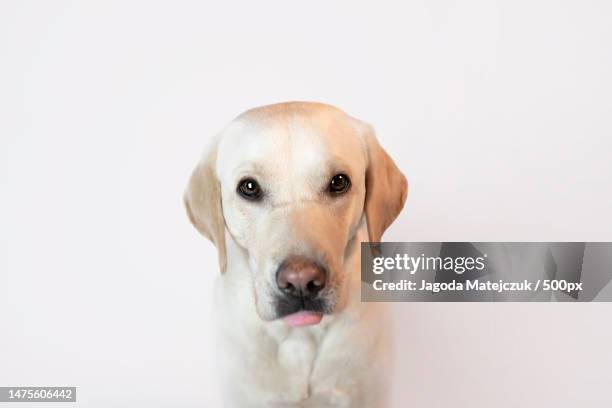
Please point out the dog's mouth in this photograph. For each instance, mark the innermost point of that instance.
(301, 312)
(303, 318)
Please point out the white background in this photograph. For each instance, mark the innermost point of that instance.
(498, 112)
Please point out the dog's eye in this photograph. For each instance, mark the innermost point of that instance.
(339, 184)
(249, 189)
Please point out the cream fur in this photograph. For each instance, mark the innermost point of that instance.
(292, 149)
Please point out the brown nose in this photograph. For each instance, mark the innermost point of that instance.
(300, 277)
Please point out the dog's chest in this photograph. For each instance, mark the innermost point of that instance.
(296, 357)
(289, 371)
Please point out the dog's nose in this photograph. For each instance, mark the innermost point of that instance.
(300, 277)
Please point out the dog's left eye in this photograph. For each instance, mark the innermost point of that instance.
(339, 184)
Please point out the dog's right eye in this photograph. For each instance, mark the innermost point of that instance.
(249, 189)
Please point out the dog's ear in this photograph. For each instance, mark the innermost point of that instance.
(386, 188)
(203, 202)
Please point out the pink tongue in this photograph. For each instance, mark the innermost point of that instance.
(303, 319)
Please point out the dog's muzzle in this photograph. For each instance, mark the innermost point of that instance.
(300, 282)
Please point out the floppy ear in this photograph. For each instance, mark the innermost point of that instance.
(203, 202)
(386, 188)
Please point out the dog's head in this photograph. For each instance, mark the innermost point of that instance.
(291, 184)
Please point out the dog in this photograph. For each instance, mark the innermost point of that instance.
(287, 192)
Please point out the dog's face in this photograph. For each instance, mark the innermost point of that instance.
(291, 184)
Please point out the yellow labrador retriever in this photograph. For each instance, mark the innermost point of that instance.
(287, 192)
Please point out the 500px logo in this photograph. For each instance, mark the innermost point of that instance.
(412, 264)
